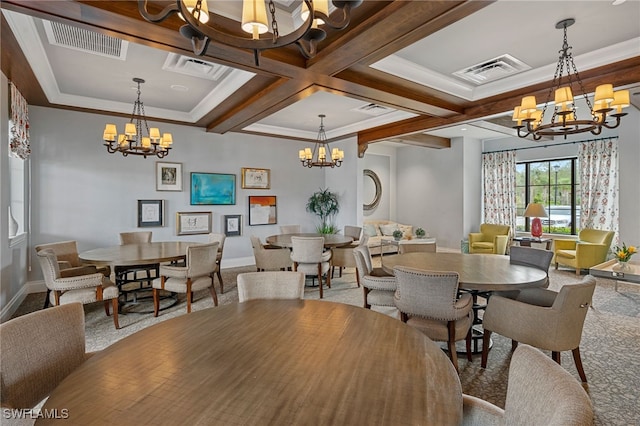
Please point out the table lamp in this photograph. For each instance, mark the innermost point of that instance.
(536, 211)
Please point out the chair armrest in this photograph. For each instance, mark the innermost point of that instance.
(591, 249)
(64, 264)
(500, 243)
(76, 282)
(379, 283)
(463, 305)
(564, 244)
(78, 270)
(476, 411)
(474, 237)
(537, 296)
(173, 271)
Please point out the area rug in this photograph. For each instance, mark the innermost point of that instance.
(610, 343)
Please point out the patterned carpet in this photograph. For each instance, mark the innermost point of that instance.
(610, 342)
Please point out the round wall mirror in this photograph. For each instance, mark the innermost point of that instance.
(372, 189)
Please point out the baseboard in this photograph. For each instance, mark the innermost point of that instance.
(14, 303)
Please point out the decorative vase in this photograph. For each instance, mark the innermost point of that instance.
(13, 225)
(623, 266)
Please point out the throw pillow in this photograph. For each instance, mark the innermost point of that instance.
(387, 230)
(407, 230)
(370, 229)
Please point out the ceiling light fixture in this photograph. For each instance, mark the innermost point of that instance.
(564, 120)
(318, 157)
(201, 31)
(132, 141)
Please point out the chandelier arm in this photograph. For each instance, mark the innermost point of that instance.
(342, 23)
(159, 17)
(307, 52)
(613, 126)
(200, 44)
(247, 43)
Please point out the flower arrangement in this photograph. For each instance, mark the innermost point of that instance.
(624, 253)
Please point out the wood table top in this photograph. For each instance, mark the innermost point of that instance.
(483, 272)
(138, 254)
(278, 362)
(330, 240)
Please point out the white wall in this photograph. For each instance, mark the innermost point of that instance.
(381, 159)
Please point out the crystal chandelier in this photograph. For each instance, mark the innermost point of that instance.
(132, 141)
(318, 157)
(607, 104)
(201, 31)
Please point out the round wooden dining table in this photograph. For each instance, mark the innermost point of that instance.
(481, 272)
(278, 362)
(330, 240)
(138, 254)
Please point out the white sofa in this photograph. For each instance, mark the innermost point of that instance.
(377, 230)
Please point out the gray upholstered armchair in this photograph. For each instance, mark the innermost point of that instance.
(220, 239)
(308, 256)
(93, 287)
(197, 275)
(270, 259)
(542, 318)
(550, 397)
(378, 287)
(429, 302)
(270, 285)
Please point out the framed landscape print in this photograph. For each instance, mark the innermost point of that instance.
(168, 176)
(213, 189)
(233, 225)
(150, 213)
(262, 210)
(192, 223)
(256, 178)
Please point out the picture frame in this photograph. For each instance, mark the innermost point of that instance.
(150, 213)
(213, 189)
(232, 225)
(263, 210)
(256, 178)
(168, 176)
(193, 223)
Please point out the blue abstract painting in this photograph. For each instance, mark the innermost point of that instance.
(213, 189)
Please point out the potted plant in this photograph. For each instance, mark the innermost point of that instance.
(325, 205)
(397, 235)
(420, 233)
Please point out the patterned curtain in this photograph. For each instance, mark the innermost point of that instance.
(19, 126)
(598, 167)
(499, 169)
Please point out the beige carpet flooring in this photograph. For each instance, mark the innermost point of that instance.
(610, 343)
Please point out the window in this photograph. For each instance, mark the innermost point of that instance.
(555, 184)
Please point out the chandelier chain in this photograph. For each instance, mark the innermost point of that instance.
(274, 23)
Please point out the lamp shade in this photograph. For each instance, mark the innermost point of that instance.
(254, 17)
(535, 210)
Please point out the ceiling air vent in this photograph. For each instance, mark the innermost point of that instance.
(493, 69)
(83, 40)
(194, 67)
(373, 109)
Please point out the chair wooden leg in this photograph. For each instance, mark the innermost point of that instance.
(578, 361)
(46, 299)
(114, 304)
(156, 302)
(578, 271)
(451, 345)
(486, 340)
(214, 296)
(320, 278)
(365, 292)
(189, 295)
(106, 307)
(220, 279)
(358, 279)
(468, 344)
(556, 357)
(328, 280)
(404, 317)
(514, 345)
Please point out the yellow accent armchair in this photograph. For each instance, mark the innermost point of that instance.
(492, 238)
(589, 250)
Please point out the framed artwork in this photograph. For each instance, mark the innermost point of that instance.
(168, 176)
(213, 189)
(150, 213)
(262, 210)
(256, 178)
(232, 225)
(192, 223)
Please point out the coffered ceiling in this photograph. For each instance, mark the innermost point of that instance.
(396, 73)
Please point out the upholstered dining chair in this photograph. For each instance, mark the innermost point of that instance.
(542, 318)
(429, 301)
(308, 256)
(270, 285)
(353, 232)
(492, 238)
(589, 250)
(90, 288)
(40, 349)
(550, 396)
(527, 256)
(135, 237)
(342, 257)
(136, 274)
(197, 275)
(270, 259)
(378, 287)
(69, 262)
(290, 229)
(219, 238)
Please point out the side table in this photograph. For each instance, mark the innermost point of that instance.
(610, 269)
(526, 241)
